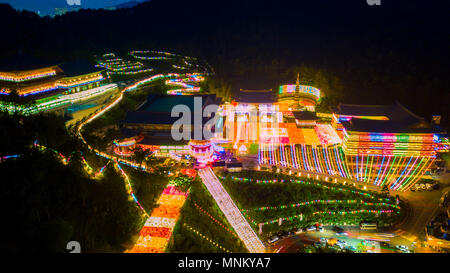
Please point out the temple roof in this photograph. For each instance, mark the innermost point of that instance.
(305, 115)
(23, 62)
(157, 111)
(165, 103)
(155, 118)
(392, 112)
(154, 140)
(256, 96)
(79, 67)
(389, 126)
(144, 117)
(400, 119)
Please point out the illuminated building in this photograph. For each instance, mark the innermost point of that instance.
(150, 127)
(28, 76)
(245, 119)
(125, 146)
(262, 117)
(390, 147)
(202, 150)
(80, 76)
(376, 144)
(305, 118)
(51, 86)
(233, 166)
(34, 79)
(293, 97)
(381, 145)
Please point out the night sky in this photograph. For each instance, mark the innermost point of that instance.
(47, 7)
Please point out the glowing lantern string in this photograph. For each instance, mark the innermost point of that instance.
(395, 169)
(206, 238)
(290, 218)
(240, 179)
(130, 188)
(214, 219)
(320, 202)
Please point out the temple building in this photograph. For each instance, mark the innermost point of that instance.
(150, 126)
(294, 97)
(51, 85)
(245, 119)
(387, 144)
(34, 78)
(28, 76)
(80, 76)
(383, 145)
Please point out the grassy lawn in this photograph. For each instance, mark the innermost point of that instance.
(147, 186)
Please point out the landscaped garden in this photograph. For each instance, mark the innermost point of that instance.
(274, 199)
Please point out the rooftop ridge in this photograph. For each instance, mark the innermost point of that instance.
(409, 111)
(257, 90)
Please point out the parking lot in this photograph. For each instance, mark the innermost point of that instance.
(351, 238)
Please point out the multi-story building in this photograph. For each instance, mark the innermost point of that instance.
(46, 86)
(386, 144)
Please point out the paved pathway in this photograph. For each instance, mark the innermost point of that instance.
(231, 211)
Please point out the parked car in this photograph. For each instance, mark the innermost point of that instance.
(311, 228)
(341, 243)
(273, 239)
(403, 249)
(341, 233)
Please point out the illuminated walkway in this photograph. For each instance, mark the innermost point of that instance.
(157, 230)
(231, 211)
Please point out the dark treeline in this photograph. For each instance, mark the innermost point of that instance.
(45, 203)
(396, 51)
